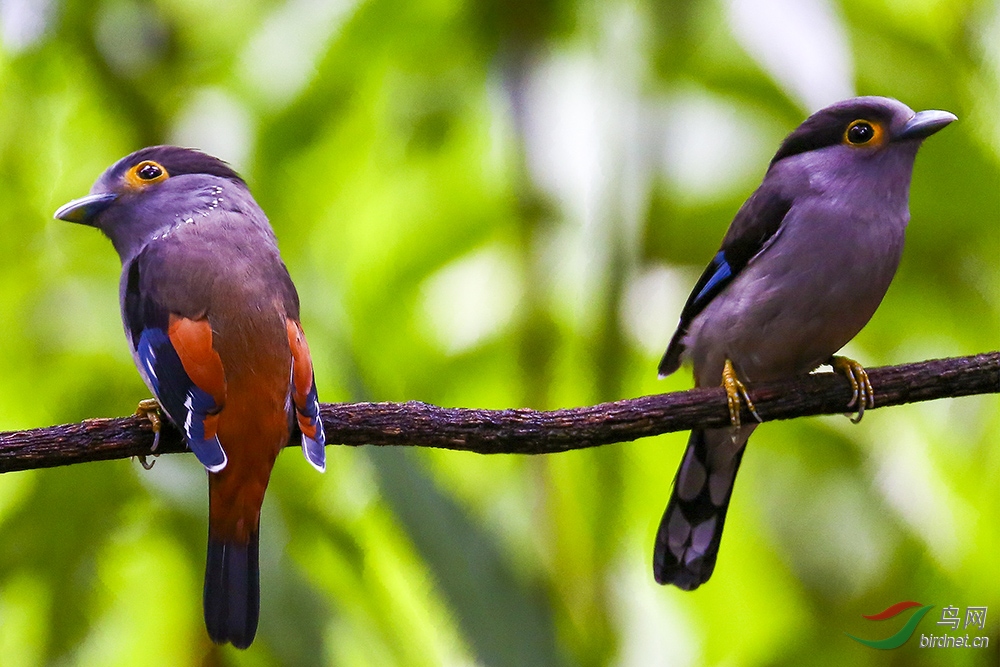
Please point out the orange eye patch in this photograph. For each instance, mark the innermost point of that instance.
(145, 173)
(862, 132)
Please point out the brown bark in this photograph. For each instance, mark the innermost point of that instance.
(524, 431)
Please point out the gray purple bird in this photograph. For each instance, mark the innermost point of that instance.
(212, 319)
(804, 265)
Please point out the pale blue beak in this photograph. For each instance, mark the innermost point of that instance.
(84, 209)
(924, 124)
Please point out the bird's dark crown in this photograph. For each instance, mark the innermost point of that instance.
(827, 127)
(175, 161)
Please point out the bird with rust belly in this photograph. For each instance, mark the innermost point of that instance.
(212, 319)
(803, 267)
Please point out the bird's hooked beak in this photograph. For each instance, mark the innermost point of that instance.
(924, 124)
(84, 209)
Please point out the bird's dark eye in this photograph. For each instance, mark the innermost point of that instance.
(860, 132)
(145, 174)
(149, 171)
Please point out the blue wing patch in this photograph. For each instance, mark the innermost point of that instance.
(191, 408)
(754, 226)
(719, 278)
(714, 279)
(313, 436)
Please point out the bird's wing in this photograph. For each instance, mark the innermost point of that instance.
(303, 381)
(173, 349)
(754, 227)
(305, 399)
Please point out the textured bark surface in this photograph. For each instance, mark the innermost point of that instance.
(523, 431)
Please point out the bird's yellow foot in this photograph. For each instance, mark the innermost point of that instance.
(150, 409)
(735, 392)
(864, 395)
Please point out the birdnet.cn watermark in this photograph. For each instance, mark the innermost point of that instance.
(975, 617)
(962, 633)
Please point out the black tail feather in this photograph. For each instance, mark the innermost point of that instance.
(687, 542)
(232, 591)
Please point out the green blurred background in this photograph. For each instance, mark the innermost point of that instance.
(495, 204)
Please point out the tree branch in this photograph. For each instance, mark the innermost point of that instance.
(523, 431)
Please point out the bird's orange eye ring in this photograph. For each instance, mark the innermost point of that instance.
(862, 132)
(146, 173)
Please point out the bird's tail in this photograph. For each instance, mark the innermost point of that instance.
(687, 542)
(232, 591)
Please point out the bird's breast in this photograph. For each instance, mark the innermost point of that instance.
(804, 297)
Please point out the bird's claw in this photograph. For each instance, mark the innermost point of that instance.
(736, 391)
(864, 395)
(150, 409)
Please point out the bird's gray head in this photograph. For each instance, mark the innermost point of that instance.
(153, 188)
(852, 142)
